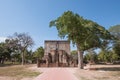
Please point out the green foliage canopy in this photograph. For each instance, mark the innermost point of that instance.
(80, 31)
(115, 31)
(39, 53)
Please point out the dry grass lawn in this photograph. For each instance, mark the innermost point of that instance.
(17, 72)
(101, 72)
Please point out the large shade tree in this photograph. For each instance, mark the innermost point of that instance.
(21, 41)
(86, 34)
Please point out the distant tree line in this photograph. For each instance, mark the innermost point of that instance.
(17, 48)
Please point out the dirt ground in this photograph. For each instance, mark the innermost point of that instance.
(97, 72)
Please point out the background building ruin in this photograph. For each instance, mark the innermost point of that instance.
(57, 52)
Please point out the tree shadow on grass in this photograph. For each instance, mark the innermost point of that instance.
(109, 68)
(9, 64)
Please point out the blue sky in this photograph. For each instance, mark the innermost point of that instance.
(33, 16)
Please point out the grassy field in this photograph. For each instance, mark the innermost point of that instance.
(18, 72)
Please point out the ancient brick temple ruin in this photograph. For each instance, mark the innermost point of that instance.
(57, 54)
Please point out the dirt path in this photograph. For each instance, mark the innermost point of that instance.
(56, 74)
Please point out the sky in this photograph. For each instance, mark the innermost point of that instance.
(33, 16)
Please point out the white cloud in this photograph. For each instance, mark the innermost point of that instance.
(2, 39)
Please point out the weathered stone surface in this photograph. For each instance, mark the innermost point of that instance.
(56, 44)
(57, 51)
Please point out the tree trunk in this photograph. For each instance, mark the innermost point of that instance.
(23, 58)
(2, 61)
(38, 62)
(80, 59)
